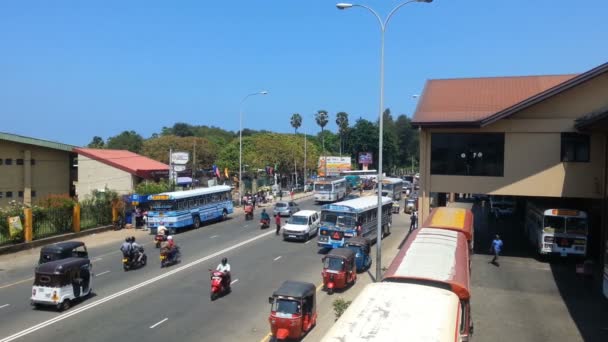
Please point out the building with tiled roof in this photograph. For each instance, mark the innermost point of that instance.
(118, 170)
(32, 169)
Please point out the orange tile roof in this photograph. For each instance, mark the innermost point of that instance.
(125, 160)
(468, 100)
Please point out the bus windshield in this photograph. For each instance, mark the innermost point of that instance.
(161, 205)
(329, 218)
(576, 225)
(555, 224)
(322, 187)
(345, 221)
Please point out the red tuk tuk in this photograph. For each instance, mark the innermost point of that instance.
(293, 310)
(339, 269)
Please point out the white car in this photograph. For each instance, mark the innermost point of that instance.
(302, 225)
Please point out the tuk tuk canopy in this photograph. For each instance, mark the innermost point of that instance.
(295, 289)
(359, 241)
(59, 250)
(342, 253)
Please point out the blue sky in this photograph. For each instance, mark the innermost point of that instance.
(70, 70)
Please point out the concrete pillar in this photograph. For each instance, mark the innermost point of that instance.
(27, 177)
(76, 218)
(425, 175)
(452, 198)
(28, 229)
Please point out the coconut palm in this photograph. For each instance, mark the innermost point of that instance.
(296, 121)
(342, 122)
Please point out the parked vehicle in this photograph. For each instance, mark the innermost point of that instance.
(339, 269)
(410, 205)
(58, 283)
(285, 208)
(293, 310)
(217, 284)
(302, 225)
(362, 248)
(63, 250)
(130, 260)
(452, 218)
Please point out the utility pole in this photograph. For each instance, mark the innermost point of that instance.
(171, 169)
(193, 165)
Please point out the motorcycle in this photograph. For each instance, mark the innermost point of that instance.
(264, 223)
(249, 212)
(217, 284)
(131, 262)
(159, 238)
(166, 259)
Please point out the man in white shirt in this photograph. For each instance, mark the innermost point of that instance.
(224, 267)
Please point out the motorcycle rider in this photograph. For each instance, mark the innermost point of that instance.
(170, 247)
(126, 247)
(224, 267)
(162, 230)
(136, 249)
(264, 215)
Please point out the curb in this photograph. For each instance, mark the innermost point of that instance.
(63, 237)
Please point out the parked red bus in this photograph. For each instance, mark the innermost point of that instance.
(424, 296)
(452, 218)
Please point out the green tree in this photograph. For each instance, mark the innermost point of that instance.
(158, 149)
(342, 122)
(127, 140)
(390, 147)
(296, 121)
(97, 142)
(407, 141)
(322, 119)
(182, 129)
(152, 188)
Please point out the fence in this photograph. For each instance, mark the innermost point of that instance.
(51, 221)
(92, 215)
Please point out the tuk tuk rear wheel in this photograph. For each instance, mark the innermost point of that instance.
(330, 291)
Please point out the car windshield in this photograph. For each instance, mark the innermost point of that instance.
(322, 187)
(286, 306)
(576, 225)
(281, 205)
(299, 220)
(334, 264)
(555, 224)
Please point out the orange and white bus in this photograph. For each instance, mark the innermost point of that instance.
(424, 295)
(452, 218)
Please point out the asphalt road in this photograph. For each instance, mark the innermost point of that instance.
(157, 304)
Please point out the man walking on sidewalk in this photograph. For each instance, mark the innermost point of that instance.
(496, 248)
(413, 220)
(277, 220)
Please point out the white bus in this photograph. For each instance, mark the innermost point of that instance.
(393, 188)
(373, 174)
(330, 190)
(556, 231)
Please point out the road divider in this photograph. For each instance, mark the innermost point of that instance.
(128, 290)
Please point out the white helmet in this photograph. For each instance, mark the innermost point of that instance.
(169, 237)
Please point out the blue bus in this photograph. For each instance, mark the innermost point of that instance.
(180, 209)
(339, 220)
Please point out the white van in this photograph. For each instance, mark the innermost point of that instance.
(302, 225)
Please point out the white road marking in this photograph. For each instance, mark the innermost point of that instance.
(277, 258)
(159, 323)
(307, 242)
(213, 237)
(245, 226)
(3, 306)
(97, 259)
(102, 273)
(128, 290)
(234, 281)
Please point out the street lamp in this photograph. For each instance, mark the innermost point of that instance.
(343, 6)
(263, 92)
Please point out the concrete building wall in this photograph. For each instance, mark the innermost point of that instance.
(50, 173)
(95, 175)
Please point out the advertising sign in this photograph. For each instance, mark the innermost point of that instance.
(15, 227)
(179, 168)
(334, 165)
(180, 158)
(366, 158)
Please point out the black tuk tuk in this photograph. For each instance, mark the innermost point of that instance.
(293, 310)
(63, 250)
(58, 283)
(362, 248)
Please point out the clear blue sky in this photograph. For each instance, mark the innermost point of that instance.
(70, 70)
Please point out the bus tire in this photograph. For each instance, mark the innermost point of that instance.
(224, 215)
(197, 222)
(172, 231)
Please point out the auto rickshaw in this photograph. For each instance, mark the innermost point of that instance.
(339, 269)
(293, 310)
(58, 283)
(362, 247)
(63, 250)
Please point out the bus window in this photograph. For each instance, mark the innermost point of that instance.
(555, 223)
(576, 225)
(345, 221)
(322, 187)
(329, 217)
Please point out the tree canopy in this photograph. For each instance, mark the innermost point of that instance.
(127, 140)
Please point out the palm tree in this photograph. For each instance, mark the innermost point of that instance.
(322, 119)
(342, 122)
(296, 121)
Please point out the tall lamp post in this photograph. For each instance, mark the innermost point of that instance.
(263, 92)
(343, 6)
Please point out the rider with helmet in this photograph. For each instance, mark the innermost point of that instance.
(224, 267)
(126, 247)
(136, 249)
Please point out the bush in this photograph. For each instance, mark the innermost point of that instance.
(340, 305)
(97, 209)
(152, 188)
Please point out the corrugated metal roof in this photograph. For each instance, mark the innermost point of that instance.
(467, 100)
(36, 142)
(125, 160)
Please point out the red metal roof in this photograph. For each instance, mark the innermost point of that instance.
(471, 100)
(127, 161)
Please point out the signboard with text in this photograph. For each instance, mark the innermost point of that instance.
(366, 158)
(334, 166)
(180, 158)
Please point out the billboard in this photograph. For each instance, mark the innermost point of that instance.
(334, 165)
(366, 158)
(180, 158)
